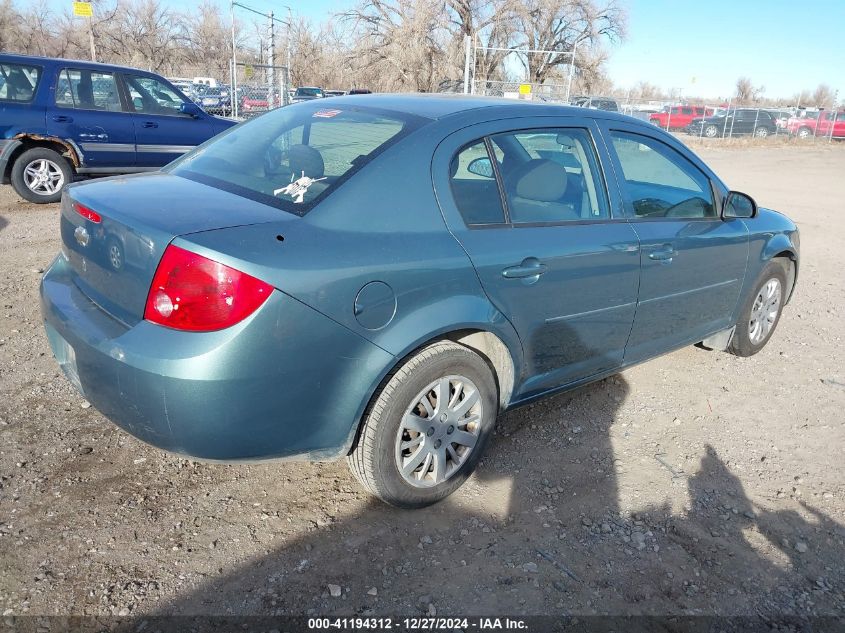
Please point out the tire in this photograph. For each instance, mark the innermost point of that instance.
(382, 445)
(40, 174)
(747, 339)
(804, 133)
(761, 132)
(711, 131)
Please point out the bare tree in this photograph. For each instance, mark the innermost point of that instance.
(823, 96)
(554, 25)
(747, 92)
(401, 38)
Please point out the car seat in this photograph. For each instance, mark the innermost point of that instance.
(536, 190)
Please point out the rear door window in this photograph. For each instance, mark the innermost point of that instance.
(293, 157)
(18, 82)
(551, 176)
(87, 90)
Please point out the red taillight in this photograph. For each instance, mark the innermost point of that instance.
(192, 292)
(87, 213)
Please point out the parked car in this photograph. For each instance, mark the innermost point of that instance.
(334, 93)
(739, 122)
(63, 119)
(215, 100)
(825, 123)
(678, 117)
(360, 91)
(315, 308)
(256, 99)
(781, 118)
(597, 103)
(307, 93)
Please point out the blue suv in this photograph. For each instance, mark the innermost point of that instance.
(62, 118)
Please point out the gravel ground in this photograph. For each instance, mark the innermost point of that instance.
(698, 483)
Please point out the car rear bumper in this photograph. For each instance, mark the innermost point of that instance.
(285, 382)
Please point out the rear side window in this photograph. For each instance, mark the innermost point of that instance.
(293, 157)
(474, 186)
(87, 90)
(660, 181)
(18, 82)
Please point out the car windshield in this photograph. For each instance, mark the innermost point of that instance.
(18, 82)
(308, 92)
(293, 157)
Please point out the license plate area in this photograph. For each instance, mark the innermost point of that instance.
(65, 356)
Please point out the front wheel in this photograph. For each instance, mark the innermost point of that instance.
(805, 133)
(711, 131)
(761, 312)
(39, 174)
(426, 430)
(761, 132)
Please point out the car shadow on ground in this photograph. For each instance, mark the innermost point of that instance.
(539, 530)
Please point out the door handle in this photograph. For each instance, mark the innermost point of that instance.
(62, 118)
(530, 267)
(150, 124)
(665, 253)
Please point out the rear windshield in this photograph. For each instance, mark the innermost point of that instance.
(295, 156)
(18, 82)
(308, 92)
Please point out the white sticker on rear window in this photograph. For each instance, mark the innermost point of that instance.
(297, 188)
(326, 114)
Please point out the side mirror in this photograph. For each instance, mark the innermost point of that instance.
(738, 205)
(481, 167)
(191, 109)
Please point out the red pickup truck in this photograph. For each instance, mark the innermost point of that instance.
(823, 124)
(678, 117)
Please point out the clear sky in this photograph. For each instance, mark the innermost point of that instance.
(702, 48)
(698, 47)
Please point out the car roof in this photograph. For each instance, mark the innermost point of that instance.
(441, 105)
(76, 63)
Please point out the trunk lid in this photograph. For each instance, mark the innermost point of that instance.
(115, 259)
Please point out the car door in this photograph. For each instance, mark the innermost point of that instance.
(87, 108)
(527, 201)
(693, 262)
(162, 132)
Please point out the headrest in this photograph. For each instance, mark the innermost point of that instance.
(540, 179)
(306, 159)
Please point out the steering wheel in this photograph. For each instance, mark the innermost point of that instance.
(650, 207)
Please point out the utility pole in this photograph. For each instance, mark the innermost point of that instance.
(271, 53)
(91, 37)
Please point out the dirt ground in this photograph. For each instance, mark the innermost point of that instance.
(698, 483)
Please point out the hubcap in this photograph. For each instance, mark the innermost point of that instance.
(710, 131)
(765, 310)
(438, 431)
(43, 177)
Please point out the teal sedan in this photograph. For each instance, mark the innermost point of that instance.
(378, 277)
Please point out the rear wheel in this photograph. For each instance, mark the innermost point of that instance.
(39, 174)
(761, 312)
(711, 131)
(426, 430)
(761, 132)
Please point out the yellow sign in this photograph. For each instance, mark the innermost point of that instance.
(85, 9)
(525, 89)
